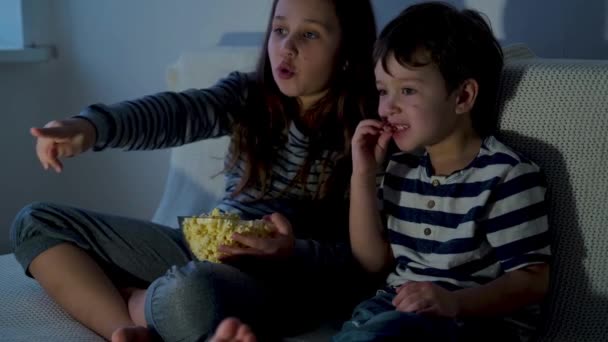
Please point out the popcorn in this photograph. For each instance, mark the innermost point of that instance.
(204, 234)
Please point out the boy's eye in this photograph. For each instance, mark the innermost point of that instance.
(408, 91)
(311, 35)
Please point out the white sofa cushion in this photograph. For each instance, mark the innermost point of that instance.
(27, 314)
(556, 113)
(193, 185)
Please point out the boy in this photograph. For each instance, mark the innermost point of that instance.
(463, 228)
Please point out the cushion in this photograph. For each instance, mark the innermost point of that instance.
(28, 314)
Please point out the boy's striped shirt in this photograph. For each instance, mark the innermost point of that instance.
(470, 227)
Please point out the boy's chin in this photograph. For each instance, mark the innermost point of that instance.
(407, 146)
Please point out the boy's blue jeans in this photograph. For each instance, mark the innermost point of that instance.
(377, 320)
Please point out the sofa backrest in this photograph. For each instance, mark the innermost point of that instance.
(556, 113)
(194, 184)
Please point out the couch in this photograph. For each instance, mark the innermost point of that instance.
(554, 111)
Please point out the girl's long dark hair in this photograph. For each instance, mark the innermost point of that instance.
(333, 119)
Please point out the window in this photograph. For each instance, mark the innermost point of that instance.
(11, 24)
(13, 46)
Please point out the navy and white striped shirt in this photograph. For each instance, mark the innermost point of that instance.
(470, 227)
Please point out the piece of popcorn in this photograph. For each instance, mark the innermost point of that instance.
(205, 233)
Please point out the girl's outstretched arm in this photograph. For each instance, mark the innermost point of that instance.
(170, 119)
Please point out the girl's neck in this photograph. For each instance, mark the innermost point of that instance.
(306, 116)
(308, 101)
(455, 152)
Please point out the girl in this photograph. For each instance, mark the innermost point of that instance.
(290, 124)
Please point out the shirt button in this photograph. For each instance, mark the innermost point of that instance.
(430, 204)
(435, 182)
(427, 231)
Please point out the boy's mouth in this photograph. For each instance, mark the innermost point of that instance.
(395, 128)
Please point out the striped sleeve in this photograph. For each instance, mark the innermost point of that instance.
(516, 225)
(169, 119)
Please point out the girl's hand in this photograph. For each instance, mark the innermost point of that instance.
(426, 298)
(369, 146)
(280, 244)
(62, 139)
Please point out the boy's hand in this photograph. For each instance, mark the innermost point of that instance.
(369, 145)
(62, 139)
(279, 244)
(426, 298)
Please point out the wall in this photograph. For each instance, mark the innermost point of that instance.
(107, 51)
(552, 28)
(113, 50)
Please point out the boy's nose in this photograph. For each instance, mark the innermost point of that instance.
(387, 109)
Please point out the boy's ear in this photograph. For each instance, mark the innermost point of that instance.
(467, 94)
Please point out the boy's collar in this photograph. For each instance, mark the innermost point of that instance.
(425, 159)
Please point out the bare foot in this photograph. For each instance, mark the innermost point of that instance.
(233, 330)
(131, 334)
(135, 299)
(126, 292)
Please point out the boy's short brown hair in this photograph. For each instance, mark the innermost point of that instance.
(459, 42)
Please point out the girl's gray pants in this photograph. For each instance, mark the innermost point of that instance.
(186, 299)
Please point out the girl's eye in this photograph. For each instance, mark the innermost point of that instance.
(381, 92)
(280, 31)
(408, 91)
(311, 35)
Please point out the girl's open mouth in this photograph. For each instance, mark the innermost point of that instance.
(285, 71)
